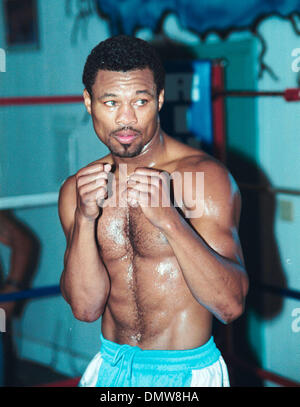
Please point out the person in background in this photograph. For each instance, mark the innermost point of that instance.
(22, 244)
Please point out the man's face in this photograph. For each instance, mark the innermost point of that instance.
(124, 109)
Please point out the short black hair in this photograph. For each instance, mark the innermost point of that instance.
(123, 53)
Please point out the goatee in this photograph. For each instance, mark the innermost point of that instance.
(126, 153)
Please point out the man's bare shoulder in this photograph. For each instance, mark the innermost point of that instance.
(200, 161)
(179, 154)
(220, 188)
(187, 158)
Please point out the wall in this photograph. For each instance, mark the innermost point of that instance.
(42, 143)
(279, 149)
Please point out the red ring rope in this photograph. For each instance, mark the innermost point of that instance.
(39, 100)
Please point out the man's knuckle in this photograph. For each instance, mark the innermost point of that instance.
(102, 190)
(82, 190)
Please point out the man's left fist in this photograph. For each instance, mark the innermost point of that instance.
(150, 189)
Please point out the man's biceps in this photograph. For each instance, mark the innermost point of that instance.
(66, 255)
(66, 212)
(65, 222)
(224, 241)
(230, 247)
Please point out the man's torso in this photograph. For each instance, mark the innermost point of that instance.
(149, 304)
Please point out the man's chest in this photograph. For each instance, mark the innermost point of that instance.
(125, 231)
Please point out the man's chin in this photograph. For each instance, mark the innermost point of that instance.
(126, 153)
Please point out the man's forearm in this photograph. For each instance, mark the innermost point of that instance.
(216, 282)
(84, 283)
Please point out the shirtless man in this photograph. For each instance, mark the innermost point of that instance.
(155, 275)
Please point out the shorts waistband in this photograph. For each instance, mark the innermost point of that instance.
(170, 360)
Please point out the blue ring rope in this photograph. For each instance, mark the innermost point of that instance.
(32, 293)
(283, 292)
(55, 290)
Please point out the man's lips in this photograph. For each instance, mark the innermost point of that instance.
(125, 136)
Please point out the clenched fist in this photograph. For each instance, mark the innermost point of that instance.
(150, 190)
(91, 186)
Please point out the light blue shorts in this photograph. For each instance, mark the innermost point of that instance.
(130, 366)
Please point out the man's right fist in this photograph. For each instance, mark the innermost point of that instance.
(91, 186)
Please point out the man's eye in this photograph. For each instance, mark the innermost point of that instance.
(110, 103)
(141, 102)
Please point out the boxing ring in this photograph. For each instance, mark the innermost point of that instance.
(218, 95)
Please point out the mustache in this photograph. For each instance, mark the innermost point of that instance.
(124, 128)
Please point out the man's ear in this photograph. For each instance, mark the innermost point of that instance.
(87, 101)
(161, 98)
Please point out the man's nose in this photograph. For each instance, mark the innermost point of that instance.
(126, 115)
